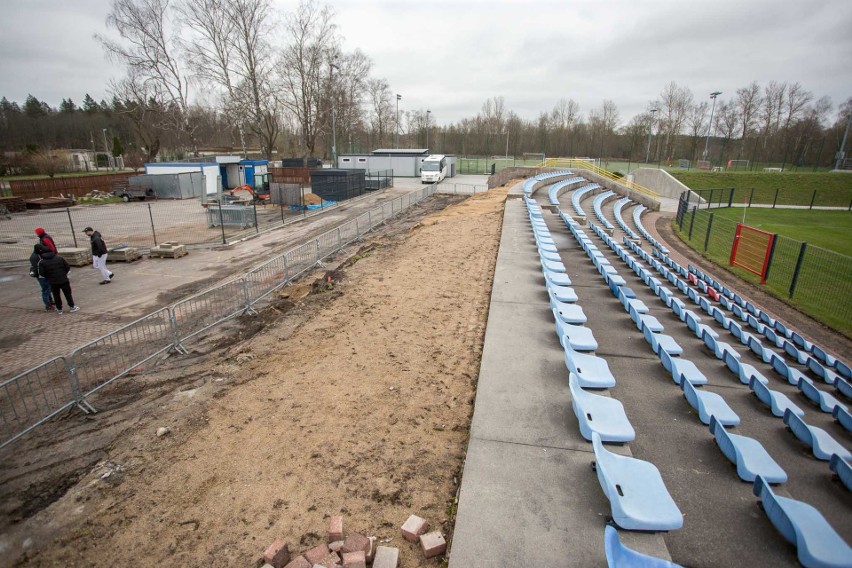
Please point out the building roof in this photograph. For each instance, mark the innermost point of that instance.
(402, 151)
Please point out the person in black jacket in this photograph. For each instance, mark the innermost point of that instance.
(55, 269)
(35, 258)
(99, 254)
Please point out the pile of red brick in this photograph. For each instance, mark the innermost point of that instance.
(356, 550)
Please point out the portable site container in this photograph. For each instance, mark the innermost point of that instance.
(338, 184)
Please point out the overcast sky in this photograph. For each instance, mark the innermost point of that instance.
(450, 56)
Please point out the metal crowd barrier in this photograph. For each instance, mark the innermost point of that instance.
(33, 397)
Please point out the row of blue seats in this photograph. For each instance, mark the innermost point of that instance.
(577, 196)
(817, 542)
(597, 204)
(637, 214)
(556, 188)
(778, 330)
(530, 183)
(616, 210)
(600, 418)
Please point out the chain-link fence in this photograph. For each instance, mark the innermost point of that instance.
(492, 165)
(816, 280)
(765, 197)
(30, 399)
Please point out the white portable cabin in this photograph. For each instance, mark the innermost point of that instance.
(210, 171)
(405, 162)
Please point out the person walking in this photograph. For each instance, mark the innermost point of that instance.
(99, 254)
(45, 239)
(35, 258)
(55, 269)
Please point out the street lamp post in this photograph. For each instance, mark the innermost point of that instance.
(106, 149)
(650, 129)
(428, 112)
(331, 68)
(713, 96)
(398, 98)
(507, 141)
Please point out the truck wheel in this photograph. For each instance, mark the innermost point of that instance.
(125, 197)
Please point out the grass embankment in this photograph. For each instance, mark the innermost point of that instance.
(782, 188)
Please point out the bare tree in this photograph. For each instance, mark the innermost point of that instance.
(305, 71)
(140, 105)
(147, 47)
(696, 122)
(674, 103)
(748, 103)
(727, 123)
(563, 119)
(381, 107)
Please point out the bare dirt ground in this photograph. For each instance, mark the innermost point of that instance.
(350, 394)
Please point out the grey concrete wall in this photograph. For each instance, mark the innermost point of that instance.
(648, 202)
(660, 181)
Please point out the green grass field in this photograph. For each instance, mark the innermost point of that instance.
(824, 286)
(787, 188)
(830, 230)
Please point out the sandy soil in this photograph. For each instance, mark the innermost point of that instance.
(352, 394)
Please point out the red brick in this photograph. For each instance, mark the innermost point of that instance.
(277, 554)
(355, 559)
(330, 560)
(335, 529)
(433, 544)
(413, 528)
(299, 562)
(386, 557)
(355, 542)
(317, 553)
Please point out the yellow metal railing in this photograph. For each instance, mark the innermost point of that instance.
(572, 163)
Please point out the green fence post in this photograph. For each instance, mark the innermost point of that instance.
(798, 268)
(750, 197)
(709, 227)
(771, 256)
(731, 197)
(710, 199)
(71, 223)
(153, 230)
(692, 221)
(775, 199)
(813, 198)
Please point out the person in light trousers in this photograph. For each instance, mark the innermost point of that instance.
(99, 254)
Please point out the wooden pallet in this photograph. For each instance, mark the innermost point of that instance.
(168, 250)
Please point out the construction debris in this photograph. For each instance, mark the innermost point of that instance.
(76, 256)
(170, 249)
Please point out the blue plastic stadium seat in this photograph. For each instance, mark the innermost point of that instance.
(561, 293)
(776, 339)
(843, 416)
(843, 369)
(780, 366)
(719, 348)
(637, 494)
(824, 400)
(568, 313)
(579, 337)
(547, 247)
(821, 443)
(842, 469)
(778, 402)
(821, 371)
(619, 556)
(766, 319)
(801, 342)
(708, 404)
(660, 342)
(801, 357)
(758, 349)
(691, 319)
(592, 372)
(557, 278)
(756, 325)
(600, 414)
(682, 368)
(552, 266)
(743, 371)
(817, 543)
(823, 356)
(843, 386)
(749, 455)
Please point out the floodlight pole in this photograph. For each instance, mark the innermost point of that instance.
(650, 129)
(841, 154)
(507, 141)
(331, 68)
(428, 112)
(398, 97)
(713, 96)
